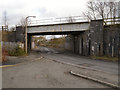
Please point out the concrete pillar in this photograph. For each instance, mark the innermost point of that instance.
(69, 43)
(33, 45)
(96, 36)
(29, 43)
(72, 43)
(80, 46)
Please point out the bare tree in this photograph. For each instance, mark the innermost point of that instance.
(91, 6)
(103, 10)
(22, 22)
(113, 10)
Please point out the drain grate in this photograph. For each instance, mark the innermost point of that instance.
(86, 64)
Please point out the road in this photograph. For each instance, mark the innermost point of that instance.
(45, 73)
(106, 66)
(37, 72)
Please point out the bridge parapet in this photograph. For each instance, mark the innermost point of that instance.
(65, 27)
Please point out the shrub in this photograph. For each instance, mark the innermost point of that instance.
(16, 52)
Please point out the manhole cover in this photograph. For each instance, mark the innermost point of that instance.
(86, 64)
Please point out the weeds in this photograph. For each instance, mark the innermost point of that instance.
(16, 52)
(12, 52)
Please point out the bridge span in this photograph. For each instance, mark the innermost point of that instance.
(78, 34)
(55, 29)
(84, 38)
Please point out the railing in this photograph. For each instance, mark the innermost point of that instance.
(4, 28)
(70, 19)
(112, 21)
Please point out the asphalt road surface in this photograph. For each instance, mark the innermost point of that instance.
(35, 72)
(46, 73)
(106, 66)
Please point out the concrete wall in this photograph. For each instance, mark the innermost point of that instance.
(84, 43)
(12, 36)
(99, 40)
(89, 42)
(77, 43)
(69, 43)
(96, 37)
(20, 37)
(111, 40)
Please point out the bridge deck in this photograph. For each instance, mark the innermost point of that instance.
(64, 27)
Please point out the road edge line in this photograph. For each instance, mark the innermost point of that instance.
(5, 66)
(79, 66)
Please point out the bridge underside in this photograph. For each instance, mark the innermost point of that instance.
(56, 33)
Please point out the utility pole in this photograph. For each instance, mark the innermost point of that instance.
(119, 9)
(26, 40)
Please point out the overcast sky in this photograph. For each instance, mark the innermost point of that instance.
(40, 8)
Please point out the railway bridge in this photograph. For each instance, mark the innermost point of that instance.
(84, 38)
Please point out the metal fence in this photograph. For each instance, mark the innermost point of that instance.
(11, 45)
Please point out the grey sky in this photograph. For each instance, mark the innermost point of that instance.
(41, 8)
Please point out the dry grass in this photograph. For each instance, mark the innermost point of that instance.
(17, 52)
(105, 58)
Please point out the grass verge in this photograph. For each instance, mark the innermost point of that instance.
(105, 58)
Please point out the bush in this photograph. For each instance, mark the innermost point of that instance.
(17, 52)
